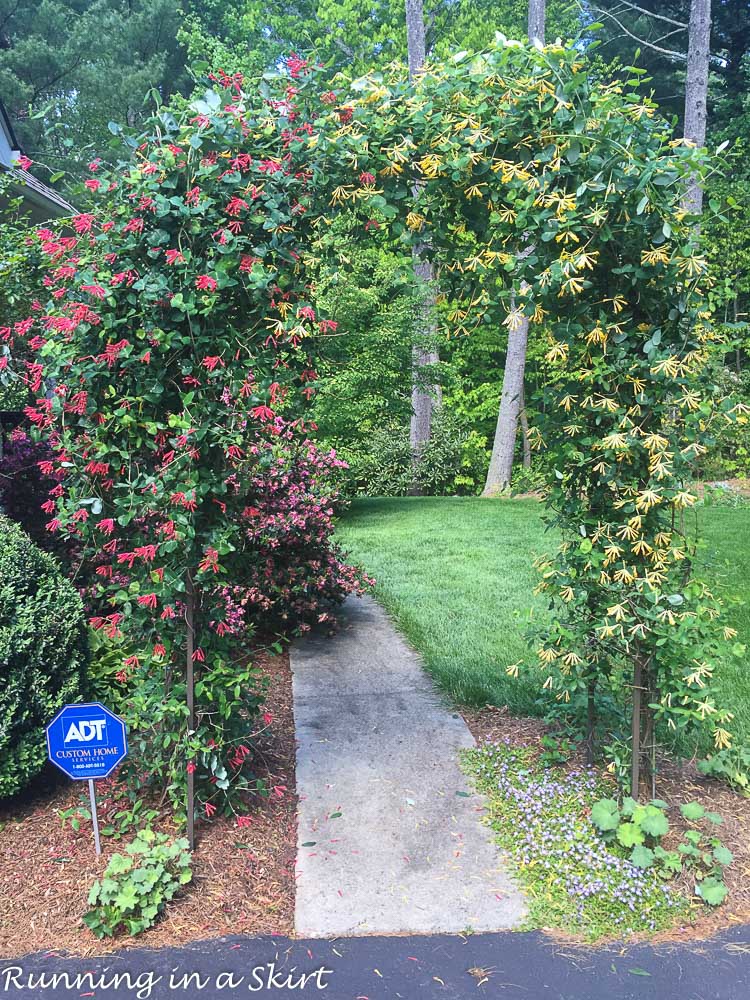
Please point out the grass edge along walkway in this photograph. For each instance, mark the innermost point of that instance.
(456, 576)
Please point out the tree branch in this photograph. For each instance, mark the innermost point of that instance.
(670, 53)
(349, 53)
(650, 13)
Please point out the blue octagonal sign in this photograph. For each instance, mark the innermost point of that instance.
(86, 741)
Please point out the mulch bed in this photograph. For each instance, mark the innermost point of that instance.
(678, 782)
(243, 879)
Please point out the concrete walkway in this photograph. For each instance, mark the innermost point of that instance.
(390, 836)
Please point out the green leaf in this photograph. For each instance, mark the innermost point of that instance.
(692, 811)
(605, 815)
(712, 891)
(722, 855)
(654, 822)
(642, 857)
(629, 835)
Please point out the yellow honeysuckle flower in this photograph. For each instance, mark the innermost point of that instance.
(690, 399)
(597, 215)
(722, 738)
(684, 499)
(657, 255)
(647, 499)
(392, 169)
(654, 442)
(669, 366)
(573, 286)
(514, 319)
(430, 165)
(546, 654)
(507, 215)
(705, 708)
(609, 631)
(596, 336)
(692, 266)
(626, 575)
(567, 401)
(616, 441)
(572, 659)
(558, 352)
(341, 194)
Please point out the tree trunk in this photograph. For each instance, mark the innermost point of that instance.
(537, 15)
(523, 417)
(511, 400)
(696, 91)
(424, 397)
(501, 463)
(415, 36)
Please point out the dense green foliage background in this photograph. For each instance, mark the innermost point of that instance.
(43, 653)
(69, 68)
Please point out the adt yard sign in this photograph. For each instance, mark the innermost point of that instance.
(87, 742)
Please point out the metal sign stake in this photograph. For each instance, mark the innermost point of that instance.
(94, 817)
(87, 742)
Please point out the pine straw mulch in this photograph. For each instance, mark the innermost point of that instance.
(243, 878)
(741, 486)
(678, 782)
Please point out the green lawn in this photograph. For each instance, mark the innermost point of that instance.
(456, 575)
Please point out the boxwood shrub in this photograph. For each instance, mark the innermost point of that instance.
(43, 653)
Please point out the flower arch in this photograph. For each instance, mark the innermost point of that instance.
(180, 335)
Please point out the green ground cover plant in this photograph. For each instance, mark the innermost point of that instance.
(573, 879)
(138, 884)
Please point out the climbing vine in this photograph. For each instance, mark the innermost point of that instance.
(534, 176)
(180, 328)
